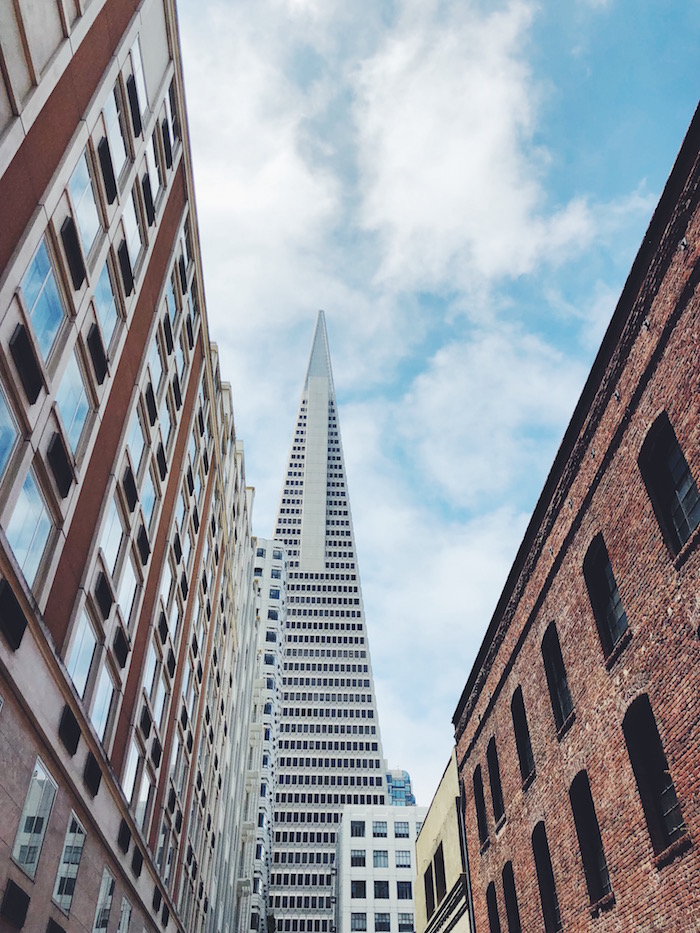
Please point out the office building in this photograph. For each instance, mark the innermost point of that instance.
(330, 750)
(376, 868)
(126, 588)
(442, 894)
(577, 739)
(398, 787)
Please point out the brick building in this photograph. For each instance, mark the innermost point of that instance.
(578, 730)
(127, 608)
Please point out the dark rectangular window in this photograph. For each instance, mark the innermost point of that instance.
(590, 843)
(357, 828)
(429, 892)
(545, 880)
(557, 683)
(522, 735)
(670, 484)
(656, 789)
(480, 806)
(404, 890)
(609, 614)
(492, 909)
(495, 781)
(440, 882)
(511, 899)
(381, 890)
(358, 889)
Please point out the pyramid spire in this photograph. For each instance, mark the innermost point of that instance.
(320, 359)
(330, 748)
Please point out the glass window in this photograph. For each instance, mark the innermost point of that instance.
(401, 829)
(403, 858)
(69, 864)
(8, 432)
(72, 402)
(159, 697)
(83, 196)
(608, 611)
(82, 651)
(381, 890)
(358, 889)
(148, 499)
(34, 820)
(43, 300)
(124, 916)
(115, 131)
(405, 923)
(557, 681)
(155, 363)
(142, 801)
(137, 66)
(130, 769)
(127, 589)
(181, 359)
(155, 169)
(29, 528)
(358, 922)
(166, 420)
(382, 922)
(104, 903)
(381, 858)
(132, 228)
(106, 304)
(277, 555)
(357, 858)
(102, 704)
(150, 669)
(595, 867)
(170, 298)
(404, 890)
(379, 829)
(112, 536)
(136, 441)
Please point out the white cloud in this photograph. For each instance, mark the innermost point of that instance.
(451, 180)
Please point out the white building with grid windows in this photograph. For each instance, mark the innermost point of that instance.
(376, 869)
(330, 750)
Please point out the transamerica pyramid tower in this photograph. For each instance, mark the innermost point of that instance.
(330, 749)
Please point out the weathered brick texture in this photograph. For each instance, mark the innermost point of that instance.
(649, 362)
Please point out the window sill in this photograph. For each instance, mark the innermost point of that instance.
(622, 643)
(603, 904)
(566, 725)
(674, 851)
(687, 549)
(528, 781)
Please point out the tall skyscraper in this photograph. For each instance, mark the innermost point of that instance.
(330, 749)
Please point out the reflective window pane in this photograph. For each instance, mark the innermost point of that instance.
(102, 704)
(72, 402)
(69, 864)
(127, 589)
(106, 305)
(8, 433)
(112, 536)
(83, 197)
(79, 660)
(132, 227)
(29, 528)
(43, 300)
(148, 499)
(104, 903)
(115, 131)
(35, 819)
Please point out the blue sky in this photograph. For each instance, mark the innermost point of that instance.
(462, 186)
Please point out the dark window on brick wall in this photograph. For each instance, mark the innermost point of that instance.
(670, 484)
(495, 781)
(590, 843)
(440, 882)
(511, 899)
(522, 735)
(429, 892)
(557, 683)
(545, 880)
(480, 805)
(608, 611)
(656, 789)
(492, 908)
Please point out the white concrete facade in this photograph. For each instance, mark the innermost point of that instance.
(330, 750)
(376, 869)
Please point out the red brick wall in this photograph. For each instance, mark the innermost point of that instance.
(654, 366)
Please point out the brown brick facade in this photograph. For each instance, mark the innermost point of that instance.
(649, 364)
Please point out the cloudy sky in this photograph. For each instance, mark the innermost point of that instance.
(462, 186)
